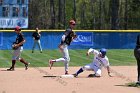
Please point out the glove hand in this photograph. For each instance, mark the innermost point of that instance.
(75, 36)
(15, 46)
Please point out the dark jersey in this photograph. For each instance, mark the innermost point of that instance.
(138, 41)
(69, 35)
(19, 39)
(36, 35)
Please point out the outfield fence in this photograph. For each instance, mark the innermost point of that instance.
(110, 39)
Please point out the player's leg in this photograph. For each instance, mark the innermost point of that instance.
(13, 66)
(138, 70)
(34, 45)
(51, 61)
(137, 56)
(98, 73)
(24, 62)
(66, 67)
(39, 44)
(86, 67)
(21, 59)
(66, 57)
(14, 58)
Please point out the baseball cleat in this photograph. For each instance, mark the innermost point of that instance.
(11, 69)
(93, 75)
(50, 63)
(66, 73)
(26, 66)
(75, 75)
(138, 83)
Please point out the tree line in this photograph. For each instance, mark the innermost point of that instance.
(88, 14)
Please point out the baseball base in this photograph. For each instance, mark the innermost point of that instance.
(67, 76)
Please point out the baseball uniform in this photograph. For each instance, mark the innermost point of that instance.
(137, 56)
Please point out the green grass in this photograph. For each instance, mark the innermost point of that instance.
(132, 84)
(117, 57)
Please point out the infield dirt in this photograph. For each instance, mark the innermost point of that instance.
(36, 80)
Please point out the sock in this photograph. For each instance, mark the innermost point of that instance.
(79, 71)
(23, 61)
(13, 63)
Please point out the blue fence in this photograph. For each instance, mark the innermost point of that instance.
(50, 40)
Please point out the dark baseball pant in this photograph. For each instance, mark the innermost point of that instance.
(137, 56)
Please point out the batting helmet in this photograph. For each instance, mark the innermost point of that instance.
(103, 51)
(72, 22)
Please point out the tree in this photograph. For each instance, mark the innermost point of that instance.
(126, 15)
(114, 14)
(52, 13)
(89, 14)
(74, 10)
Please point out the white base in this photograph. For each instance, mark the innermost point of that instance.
(67, 76)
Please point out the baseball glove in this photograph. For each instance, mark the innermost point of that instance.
(74, 36)
(14, 46)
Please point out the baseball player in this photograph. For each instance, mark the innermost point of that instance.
(36, 36)
(100, 60)
(66, 40)
(18, 48)
(137, 56)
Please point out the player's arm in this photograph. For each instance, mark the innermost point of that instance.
(63, 38)
(19, 44)
(108, 70)
(39, 33)
(33, 35)
(108, 67)
(74, 36)
(89, 51)
(22, 42)
(93, 51)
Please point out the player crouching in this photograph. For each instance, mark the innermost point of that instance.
(100, 60)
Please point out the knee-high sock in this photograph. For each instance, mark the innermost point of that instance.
(23, 61)
(13, 63)
(79, 71)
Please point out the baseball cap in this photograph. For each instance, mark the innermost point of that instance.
(103, 51)
(17, 28)
(72, 22)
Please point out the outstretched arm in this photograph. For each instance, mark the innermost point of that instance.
(108, 70)
(89, 51)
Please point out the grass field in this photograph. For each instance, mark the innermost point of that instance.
(117, 57)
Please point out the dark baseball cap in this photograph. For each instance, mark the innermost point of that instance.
(17, 28)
